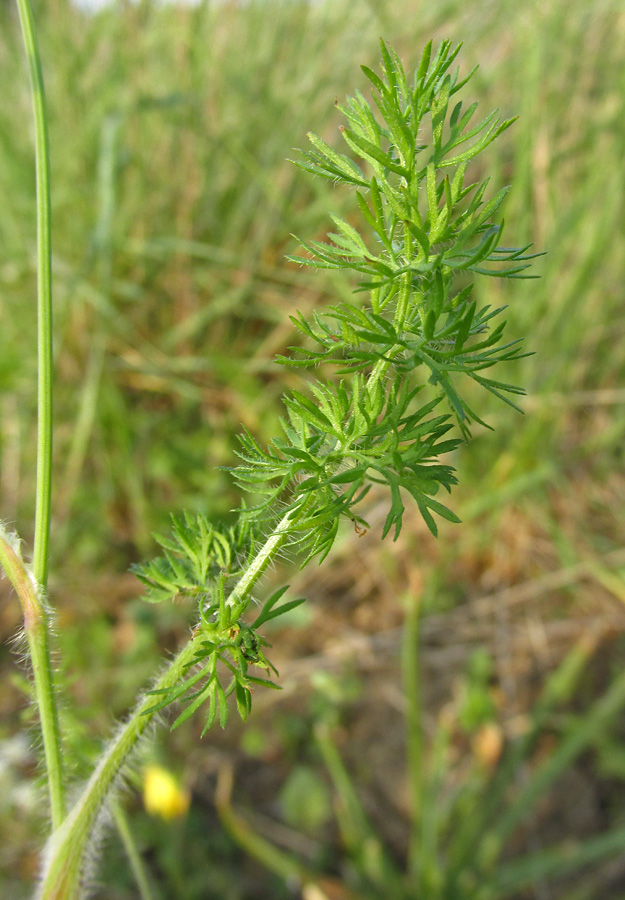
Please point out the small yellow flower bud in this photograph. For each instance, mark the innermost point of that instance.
(488, 744)
(162, 795)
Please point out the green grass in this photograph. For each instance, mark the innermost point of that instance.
(173, 207)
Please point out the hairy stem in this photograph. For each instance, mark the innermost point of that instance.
(36, 628)
(238, 597)
(69, 846)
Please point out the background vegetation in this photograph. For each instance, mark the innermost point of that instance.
(173, 208)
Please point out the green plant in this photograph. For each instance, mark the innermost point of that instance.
(403, 357)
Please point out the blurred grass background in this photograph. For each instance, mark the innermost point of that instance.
(173, 208)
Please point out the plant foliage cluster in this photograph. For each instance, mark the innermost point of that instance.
(198, 562)
(399, 357)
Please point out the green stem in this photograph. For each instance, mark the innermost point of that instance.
(399, 319)
(44, 298)
(134, 857)
(37, 626)
(240, 592)
(70, 845)
(257, 846)
(414, 730)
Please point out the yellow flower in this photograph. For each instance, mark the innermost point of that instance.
(162, 795)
